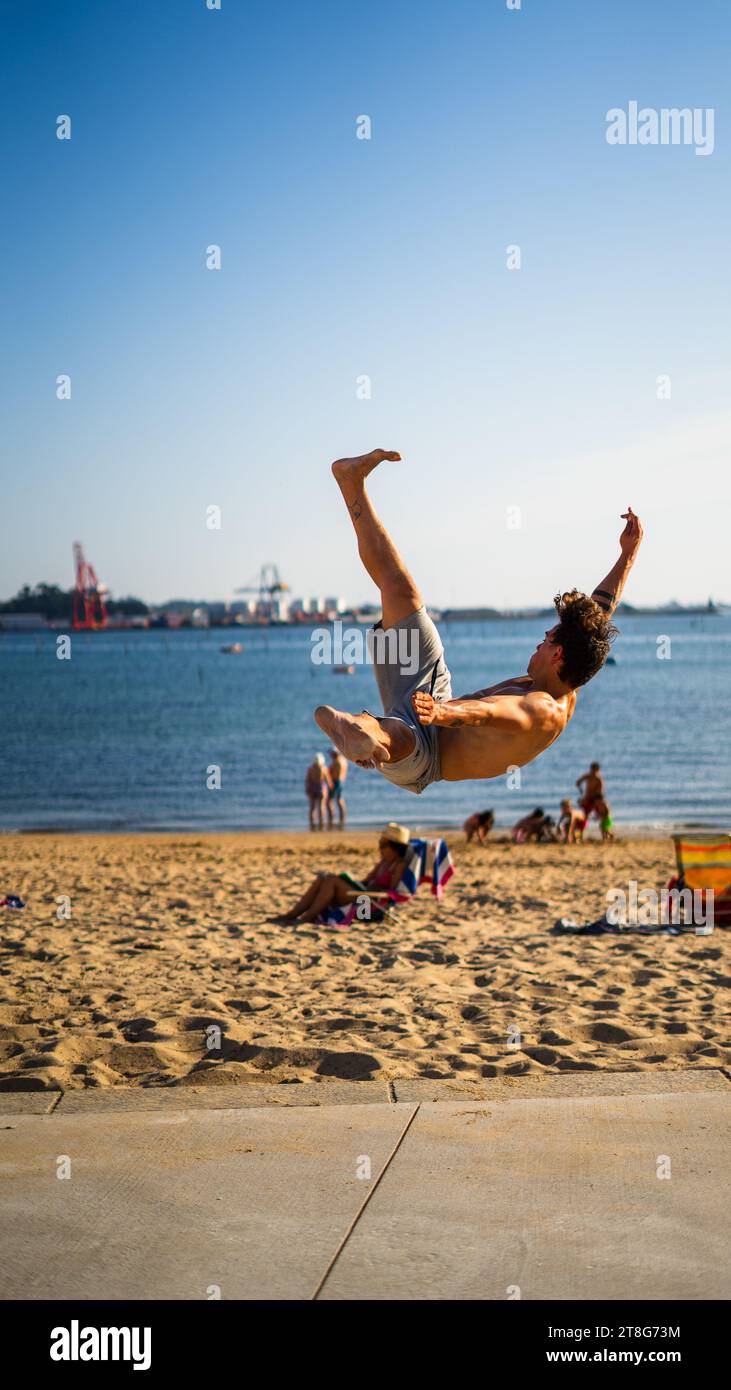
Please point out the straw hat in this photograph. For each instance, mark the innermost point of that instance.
(398, 833)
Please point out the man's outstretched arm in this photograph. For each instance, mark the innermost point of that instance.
(608, 593)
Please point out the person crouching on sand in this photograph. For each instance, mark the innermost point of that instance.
(537, 826)
(336, 890)
(480, 824)
(571, 823)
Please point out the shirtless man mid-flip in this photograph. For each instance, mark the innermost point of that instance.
(425, 736)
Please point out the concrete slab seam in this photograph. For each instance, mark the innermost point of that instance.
(349, 1231)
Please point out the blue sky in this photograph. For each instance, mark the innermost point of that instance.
(343, 257)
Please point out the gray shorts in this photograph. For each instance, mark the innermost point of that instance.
(408, 657)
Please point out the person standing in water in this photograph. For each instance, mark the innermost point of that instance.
(338, 771)
(317, 783)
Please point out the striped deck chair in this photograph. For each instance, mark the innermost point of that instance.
(426, 861)
(704, 861)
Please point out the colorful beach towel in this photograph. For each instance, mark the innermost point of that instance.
(427, 861)
(704, 866)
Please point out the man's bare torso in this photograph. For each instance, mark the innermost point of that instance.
(339, 768)
(594, 786)
(475, 752)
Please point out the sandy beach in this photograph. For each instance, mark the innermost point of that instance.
(171, 935)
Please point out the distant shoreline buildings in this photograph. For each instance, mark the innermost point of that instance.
(265, 602)
(280, 611)
(275, 610)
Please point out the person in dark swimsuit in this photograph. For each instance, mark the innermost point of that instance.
(338, 770)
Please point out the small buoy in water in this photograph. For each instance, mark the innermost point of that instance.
(233, 648)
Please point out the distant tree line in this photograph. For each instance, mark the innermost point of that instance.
(52, 602)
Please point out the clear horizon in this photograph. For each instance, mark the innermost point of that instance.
(357, 604)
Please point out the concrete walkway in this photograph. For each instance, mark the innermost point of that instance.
(532, 1188)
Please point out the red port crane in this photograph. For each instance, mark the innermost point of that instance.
(90, 610)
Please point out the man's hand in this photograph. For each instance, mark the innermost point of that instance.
(425, 707)
(609, 592)
(629, 541)
(513, 714)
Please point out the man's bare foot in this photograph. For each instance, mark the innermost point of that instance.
(357, 736)
(357, 469)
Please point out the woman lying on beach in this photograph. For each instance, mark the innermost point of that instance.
(336, 890)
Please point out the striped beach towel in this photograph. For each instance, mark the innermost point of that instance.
(704, 861)
(704, 864)
(427, 861)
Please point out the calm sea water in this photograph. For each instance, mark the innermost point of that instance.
(120, 736)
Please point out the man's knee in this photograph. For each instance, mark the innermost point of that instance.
(402, 739)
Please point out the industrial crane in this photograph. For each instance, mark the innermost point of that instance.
(269, 584)
(90, 610)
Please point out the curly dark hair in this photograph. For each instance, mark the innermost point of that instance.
(585, 633)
